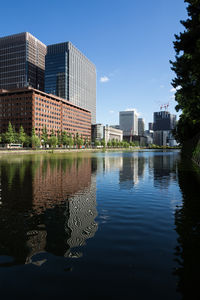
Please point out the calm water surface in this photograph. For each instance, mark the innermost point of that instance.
(102, 225)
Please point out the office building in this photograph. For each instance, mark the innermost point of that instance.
(33, 108)
(97, 132)
(140, 126)
(128, 122)
(150, 126)
(22, 61)
(70, 75)
(111, 133)
(163, 120)
(149, 137)
(164, 123)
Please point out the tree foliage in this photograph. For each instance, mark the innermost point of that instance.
(35, 141)
(187, 69)
(44, 136)
(9, 135)
(53, 141)
(22, 135)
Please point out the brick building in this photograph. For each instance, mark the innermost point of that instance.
(33, 108)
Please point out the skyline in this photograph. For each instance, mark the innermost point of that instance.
(130, 44)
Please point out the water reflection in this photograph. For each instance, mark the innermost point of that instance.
(164, 169)
(133, 166)
(47, 205)
(187, 221)
(48, 209)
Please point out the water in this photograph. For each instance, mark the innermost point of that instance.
(115, 225)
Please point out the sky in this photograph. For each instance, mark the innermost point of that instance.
(129, 41)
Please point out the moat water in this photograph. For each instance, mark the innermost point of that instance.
(116, 225)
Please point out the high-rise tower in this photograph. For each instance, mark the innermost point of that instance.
(22, 61)
(128, 122)
(70, 75)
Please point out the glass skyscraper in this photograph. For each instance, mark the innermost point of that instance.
(22, 61)
(70, 75)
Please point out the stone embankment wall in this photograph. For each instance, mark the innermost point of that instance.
(191, 149)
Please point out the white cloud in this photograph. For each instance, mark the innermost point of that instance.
(173, 90)
(162, 86)
(104, 79)
(111, 111)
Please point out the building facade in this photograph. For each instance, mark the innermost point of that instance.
(22, 61)
(128, 122)
(150, 126)
(70, 75)
(141, 126)
(97, 132)
(33, 108)
(164, 123)
(111, 133)
(163, 120)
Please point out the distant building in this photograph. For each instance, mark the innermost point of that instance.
(128, 122)
(163, 120)
(141, 126)
(70, 75)
(164, 123)
(33, 108)
(111, 133)
(97, 132)
(115, 126)
(160, 137)
(149, 136)
(22, 61)
(150, 126)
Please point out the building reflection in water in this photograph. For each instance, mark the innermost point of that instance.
(132, 171)
(163, 169)
(187, 222)
(47, 205)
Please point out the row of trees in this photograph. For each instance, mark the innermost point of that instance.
(63, 138)
(59, 139)
(115, 143)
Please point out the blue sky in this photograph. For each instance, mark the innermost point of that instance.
(129, 41)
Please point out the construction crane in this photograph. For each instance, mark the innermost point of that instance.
(164, 106)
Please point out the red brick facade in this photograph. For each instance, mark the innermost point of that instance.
(32, 108)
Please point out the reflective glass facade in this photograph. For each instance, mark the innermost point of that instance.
(22, 61)
(164, 120)
(70, 75)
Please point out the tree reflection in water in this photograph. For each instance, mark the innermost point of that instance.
(187, 221)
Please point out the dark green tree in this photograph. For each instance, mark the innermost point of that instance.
(187, 69)
(9, 135)
(16, 135)
(22, 135)
(53, 141)
(71, 141)
(35, 141)
(64, 138)
(97, 143)
(59, 137)
(44, 136)
(103, 143)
